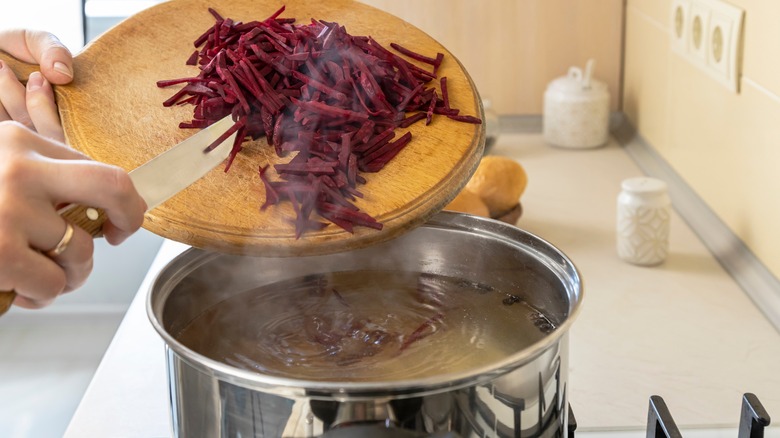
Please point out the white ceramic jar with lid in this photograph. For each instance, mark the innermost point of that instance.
(643, 213)
(576, 110)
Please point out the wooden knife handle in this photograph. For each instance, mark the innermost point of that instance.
(6, 298)
(89, 219)
(77, 215)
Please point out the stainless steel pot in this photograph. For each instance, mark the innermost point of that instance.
(524, 394)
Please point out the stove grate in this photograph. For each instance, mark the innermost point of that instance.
(660, 423)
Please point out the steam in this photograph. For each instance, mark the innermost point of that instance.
(433, 301)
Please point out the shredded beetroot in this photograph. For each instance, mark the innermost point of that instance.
(332, 98)
(435, 62)
(427, 328)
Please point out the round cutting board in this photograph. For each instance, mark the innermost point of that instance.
(113, 112)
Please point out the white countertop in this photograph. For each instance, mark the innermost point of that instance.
(683, 330)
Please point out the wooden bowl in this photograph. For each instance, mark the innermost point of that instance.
(512, 216)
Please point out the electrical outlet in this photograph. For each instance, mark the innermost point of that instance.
(680, 28)
(724, 56)
(708, 33)
(699, 17)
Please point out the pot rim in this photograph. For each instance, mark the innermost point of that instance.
(395, 388)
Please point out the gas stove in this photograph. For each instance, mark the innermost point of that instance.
(753, 420)
(660, 424)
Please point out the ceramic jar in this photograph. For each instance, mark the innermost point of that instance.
(643, 213)
(576, 110)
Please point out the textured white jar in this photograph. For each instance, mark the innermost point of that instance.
(643, 213)
(576, 110)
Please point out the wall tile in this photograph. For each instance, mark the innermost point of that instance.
(723, 144)
(513, 49)
(645, 86)
(761, 59)
(755, 132)
(658, 10)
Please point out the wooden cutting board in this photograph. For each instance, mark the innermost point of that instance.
(113, 112)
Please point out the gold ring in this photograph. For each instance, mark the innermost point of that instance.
(63, 244)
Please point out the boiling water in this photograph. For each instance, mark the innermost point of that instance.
(366, 326)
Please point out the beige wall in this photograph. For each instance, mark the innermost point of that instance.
(513, 48)
(725, 145)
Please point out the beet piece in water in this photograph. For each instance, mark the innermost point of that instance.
(427, 328)
(332, 98)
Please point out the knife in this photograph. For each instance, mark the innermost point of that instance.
(158, 179)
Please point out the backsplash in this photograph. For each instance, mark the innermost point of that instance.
(513, 48)
(723, 144)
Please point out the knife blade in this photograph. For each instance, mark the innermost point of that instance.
(158, 179)
(177, 168)
(167, 174)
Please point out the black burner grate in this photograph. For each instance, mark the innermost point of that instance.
(660, 424)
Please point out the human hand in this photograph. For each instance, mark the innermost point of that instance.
(34, 105)
(38, 174)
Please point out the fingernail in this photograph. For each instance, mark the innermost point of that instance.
(62, 68)
(35, 81)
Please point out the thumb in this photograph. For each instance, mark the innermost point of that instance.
(42, 48)
(54, 58)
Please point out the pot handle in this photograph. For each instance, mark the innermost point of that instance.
(89, 219)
